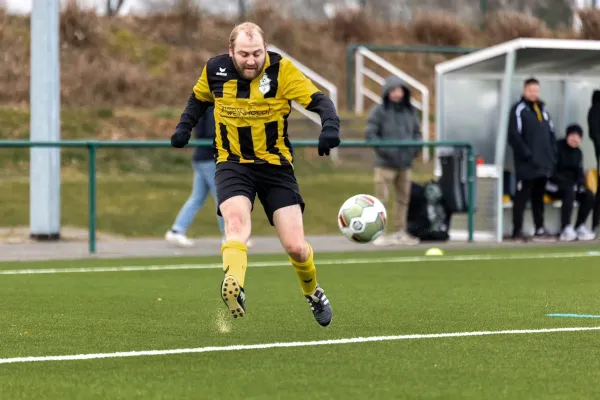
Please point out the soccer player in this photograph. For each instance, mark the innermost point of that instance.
(252, 89)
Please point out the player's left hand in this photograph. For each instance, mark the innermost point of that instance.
(329, 138)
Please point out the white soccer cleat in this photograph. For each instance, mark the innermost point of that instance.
(384, 240)
(568, 234)
(584, 234)
(397, 239)
(404, 239)
(178, 239)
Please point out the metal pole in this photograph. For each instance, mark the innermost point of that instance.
(501, 138)
(349, 74)
(483, 5)
(92, 198)
(425, 125)
(335, 154)
(358, 79)
(471, 190)
(566, 97)
(44, 199)
(242, 9)
(439, 119)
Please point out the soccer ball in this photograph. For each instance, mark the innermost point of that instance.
(362, 218)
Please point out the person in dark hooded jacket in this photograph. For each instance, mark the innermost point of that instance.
(533, 141)
(394, 119)
(594, 131)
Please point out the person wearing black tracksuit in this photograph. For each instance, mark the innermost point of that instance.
(568, 185)
(533, 141)
(594, 131)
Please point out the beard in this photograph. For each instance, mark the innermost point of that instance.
(248, 73)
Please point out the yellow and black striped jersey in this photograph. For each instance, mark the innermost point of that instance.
(251, 117)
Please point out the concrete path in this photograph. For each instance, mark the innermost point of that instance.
(137, 248)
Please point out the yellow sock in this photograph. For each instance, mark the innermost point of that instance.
(307, 273)
(235, 260)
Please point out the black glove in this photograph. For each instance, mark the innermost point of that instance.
(180, 138)
(329, 138)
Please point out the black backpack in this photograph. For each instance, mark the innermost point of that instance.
(428, 218)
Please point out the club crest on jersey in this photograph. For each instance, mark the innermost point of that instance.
(265, 84)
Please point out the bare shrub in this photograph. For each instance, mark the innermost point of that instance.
(590, 23)
(438, 28)
(279, 30)
(175, 22)
(79, 27)
(503, 26)
(351, 26)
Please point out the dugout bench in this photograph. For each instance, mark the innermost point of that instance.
(551, 209)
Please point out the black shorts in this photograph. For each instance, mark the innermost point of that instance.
(275, 185)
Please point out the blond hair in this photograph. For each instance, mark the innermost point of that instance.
(249, 28)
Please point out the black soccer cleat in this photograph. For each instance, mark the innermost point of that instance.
(233, 296)
(320, 306)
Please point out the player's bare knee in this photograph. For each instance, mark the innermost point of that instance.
(235, 223)
(236, 215)
(289, 227)
(297, 250)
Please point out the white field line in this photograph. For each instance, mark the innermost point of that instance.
(286, 344)
(381, 260)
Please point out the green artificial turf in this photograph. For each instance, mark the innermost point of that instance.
(105, 312)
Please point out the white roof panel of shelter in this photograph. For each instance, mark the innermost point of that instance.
(533, 56)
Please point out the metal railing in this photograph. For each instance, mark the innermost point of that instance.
(362, 91)
(389, 48)
(93, 146)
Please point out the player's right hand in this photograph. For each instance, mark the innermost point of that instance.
(329, 138)
(180, 138)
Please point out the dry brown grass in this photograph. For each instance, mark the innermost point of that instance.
(3, 23)
(14, 59)
(79, 27)
(438, 28)
(590, 21)
(503, 26)
(179, 24)
(352, 26)
(154, 61)
(280, 31)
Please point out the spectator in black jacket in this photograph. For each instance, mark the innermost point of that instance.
(532, 138)
(568, 184)
(594, 131)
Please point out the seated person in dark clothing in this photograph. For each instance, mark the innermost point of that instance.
(568, 184)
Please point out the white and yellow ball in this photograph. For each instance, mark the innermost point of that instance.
(362, 218)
